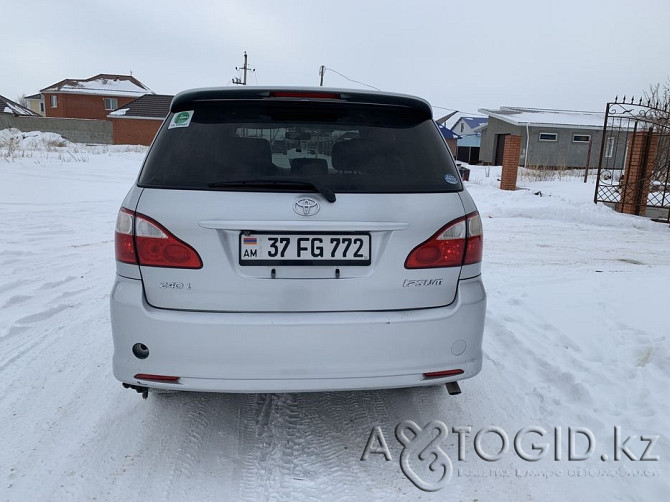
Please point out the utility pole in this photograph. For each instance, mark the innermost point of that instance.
(322, 70)
(245, 67)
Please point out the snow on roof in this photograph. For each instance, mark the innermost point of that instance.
(474, 122)
(446, 132)
(9, 106)
(119, 113)
(103, 84)
(545, 117)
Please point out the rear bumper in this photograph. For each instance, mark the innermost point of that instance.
(296, 352)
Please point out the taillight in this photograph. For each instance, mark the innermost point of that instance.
(141, 240)
(460, 242)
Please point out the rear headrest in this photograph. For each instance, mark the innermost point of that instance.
(345, 155)
(359, 155)
(250, 155)
(305, 166)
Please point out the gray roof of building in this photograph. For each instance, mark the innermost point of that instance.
(9, 106)
(155, 106)
(545, 117)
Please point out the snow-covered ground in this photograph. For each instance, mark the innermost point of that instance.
(576, 336)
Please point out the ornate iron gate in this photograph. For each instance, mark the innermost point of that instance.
(634, 166)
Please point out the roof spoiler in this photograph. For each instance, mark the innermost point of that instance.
(185, 100)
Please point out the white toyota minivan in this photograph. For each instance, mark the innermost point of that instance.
(297, 239)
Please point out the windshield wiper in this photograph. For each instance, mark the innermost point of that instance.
(272, 182)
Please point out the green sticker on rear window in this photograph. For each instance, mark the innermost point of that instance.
(181, 119)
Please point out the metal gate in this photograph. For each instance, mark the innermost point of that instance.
(634, 166)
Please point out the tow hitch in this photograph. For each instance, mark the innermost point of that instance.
(137, 388)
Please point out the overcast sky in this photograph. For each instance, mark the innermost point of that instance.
(464, 55)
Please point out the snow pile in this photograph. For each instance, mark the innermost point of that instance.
(33, 140)
(48, 146)
(577, 335)
(9, 135)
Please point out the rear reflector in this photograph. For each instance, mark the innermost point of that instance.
(156, 378)
(140, 240)
(439, 374)
(306, 95)
(459, 242)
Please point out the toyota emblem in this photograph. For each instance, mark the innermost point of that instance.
(306, 207)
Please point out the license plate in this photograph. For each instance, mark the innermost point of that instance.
(304, 249)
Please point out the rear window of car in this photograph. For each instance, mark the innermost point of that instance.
(347, 147)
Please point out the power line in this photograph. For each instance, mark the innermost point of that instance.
(323, 68)
(459, 111)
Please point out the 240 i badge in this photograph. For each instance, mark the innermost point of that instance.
(175, 285)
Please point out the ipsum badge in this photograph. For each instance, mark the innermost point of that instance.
(181, 119)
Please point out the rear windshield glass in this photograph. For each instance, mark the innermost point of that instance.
(345, 147)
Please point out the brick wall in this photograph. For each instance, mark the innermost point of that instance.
(510, 165)
(129, 131)
(75, 130)
(81, 106)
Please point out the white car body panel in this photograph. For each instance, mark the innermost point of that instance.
(296, 352)
(211, 222)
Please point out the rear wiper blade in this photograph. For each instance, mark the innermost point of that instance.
(272, 182)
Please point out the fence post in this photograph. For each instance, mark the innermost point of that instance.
(510, 165)
(636, 180)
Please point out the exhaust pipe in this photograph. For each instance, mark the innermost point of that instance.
(453, 388)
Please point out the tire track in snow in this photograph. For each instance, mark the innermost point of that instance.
(183, 444)
(31, 336)
(270, 422)
(196, 420)
(308, 446)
